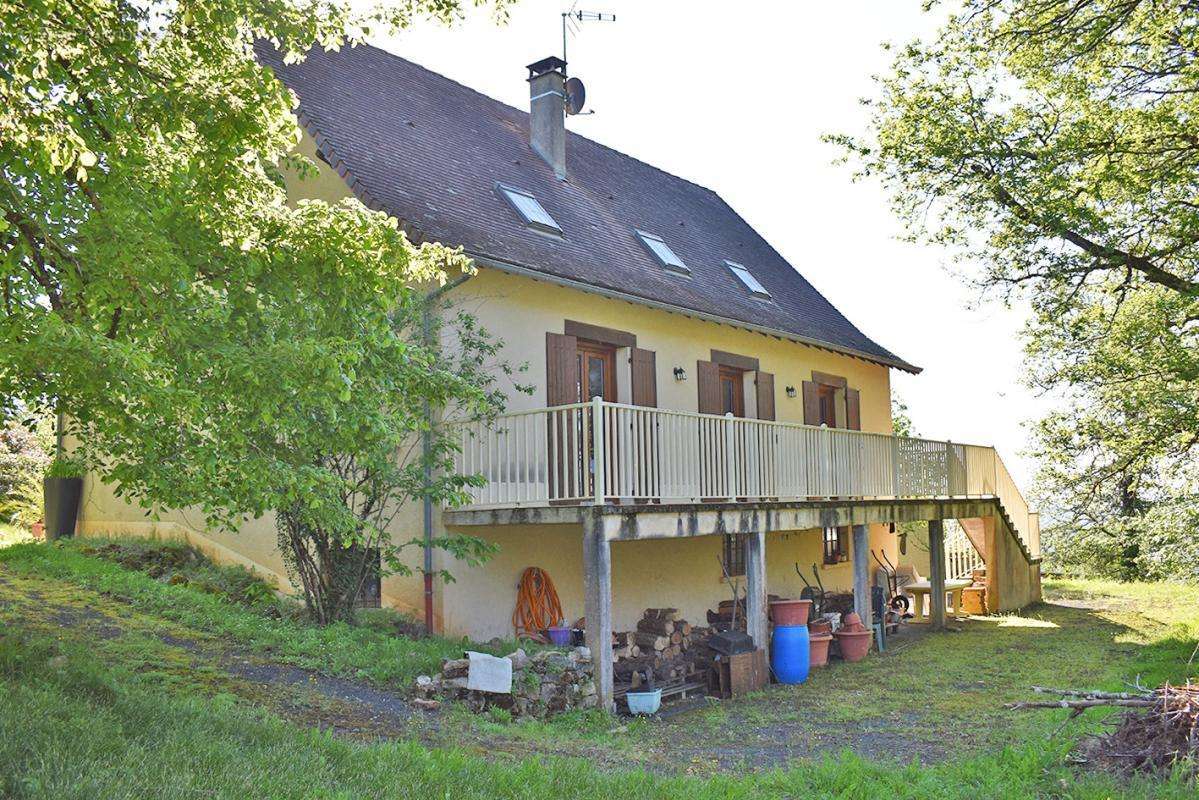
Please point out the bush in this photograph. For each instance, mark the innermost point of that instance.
(24, 458)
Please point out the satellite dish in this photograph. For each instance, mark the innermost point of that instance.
(576, 95)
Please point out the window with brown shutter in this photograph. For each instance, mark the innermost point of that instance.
(853, 410)
(707, 380)
(561, 369)
(765, 392)
(811, 403)
(644, 375)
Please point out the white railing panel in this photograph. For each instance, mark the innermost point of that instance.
(656, 455)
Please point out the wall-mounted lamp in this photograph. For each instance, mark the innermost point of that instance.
(680, 374)
(791, 391)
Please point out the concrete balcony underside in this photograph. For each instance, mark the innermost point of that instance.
(624, 522)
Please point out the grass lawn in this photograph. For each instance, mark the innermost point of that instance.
(113, 684)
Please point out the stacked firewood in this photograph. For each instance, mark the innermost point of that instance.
(722, 618)
(664, 648)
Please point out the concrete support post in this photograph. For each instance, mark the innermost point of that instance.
(597, 605)
(756, 606)
(936, 572)
(861, 574)
(996, 564)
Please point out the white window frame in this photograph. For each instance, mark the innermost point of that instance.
(748, 280)
(544, 223)
(650, 240)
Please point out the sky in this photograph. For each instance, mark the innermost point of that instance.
(736, 97)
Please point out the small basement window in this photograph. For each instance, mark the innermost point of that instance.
(734, 554)
(661, 251)
(746, 277)
(836, 545)
(531, 211)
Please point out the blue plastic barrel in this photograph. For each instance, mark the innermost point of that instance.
(789, 658)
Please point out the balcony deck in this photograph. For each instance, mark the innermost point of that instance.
(609, 455)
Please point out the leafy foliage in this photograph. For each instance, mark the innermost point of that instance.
(24, 458)
(1051, 144)
(212, 344)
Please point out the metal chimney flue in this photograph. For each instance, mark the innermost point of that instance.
(547, 112)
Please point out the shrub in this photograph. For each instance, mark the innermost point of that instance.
(24, 458)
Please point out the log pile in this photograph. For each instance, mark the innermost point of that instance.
(1159, 732)
(544, 684)
(663, 649)
(722, 618)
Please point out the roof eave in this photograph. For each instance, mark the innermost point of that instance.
(528, 272)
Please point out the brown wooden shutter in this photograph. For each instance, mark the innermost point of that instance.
(853, 410)
(561, 369)
(765, 383)
(811, 404)
(645, 377)
(707, 379)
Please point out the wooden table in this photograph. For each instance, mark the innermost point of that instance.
(921, 589)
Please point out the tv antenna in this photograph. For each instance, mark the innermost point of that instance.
(572, 22)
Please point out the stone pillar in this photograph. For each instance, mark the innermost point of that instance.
(861, 574)
(756, 607)
(597, 605)
(936, 572)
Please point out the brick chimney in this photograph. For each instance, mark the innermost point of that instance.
(547, 112)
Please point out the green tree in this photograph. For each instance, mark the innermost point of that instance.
(1051, 145)
(212, 345)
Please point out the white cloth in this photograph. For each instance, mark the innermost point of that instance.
(489, 674)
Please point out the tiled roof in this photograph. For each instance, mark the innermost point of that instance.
(430, 151)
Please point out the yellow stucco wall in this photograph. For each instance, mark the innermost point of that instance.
(651, 573)
(519, 310)
(253, 545)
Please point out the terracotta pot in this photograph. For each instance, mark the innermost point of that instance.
(852, 621)
(790, 612)
(818, 649)
(820, 627)
(854, 644)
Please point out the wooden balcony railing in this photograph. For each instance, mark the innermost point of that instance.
(600, 452)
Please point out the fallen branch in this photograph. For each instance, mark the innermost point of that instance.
(1088, 703)
(1093, 694)
(1158, 732)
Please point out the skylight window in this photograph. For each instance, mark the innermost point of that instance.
(661, 251)
(531, 211)
(747, 278)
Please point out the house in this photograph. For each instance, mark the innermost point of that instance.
(699, 406)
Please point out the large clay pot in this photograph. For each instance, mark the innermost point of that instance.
(787, 613)
(820, 627)
(854, 644)
(818, 648)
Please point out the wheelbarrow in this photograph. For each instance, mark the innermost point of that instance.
(899, 602)
(814, 593)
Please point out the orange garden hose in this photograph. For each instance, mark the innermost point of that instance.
(537, 604)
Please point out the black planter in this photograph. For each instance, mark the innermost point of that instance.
(62, 505)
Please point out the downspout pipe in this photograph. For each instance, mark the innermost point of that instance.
(427, 450)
